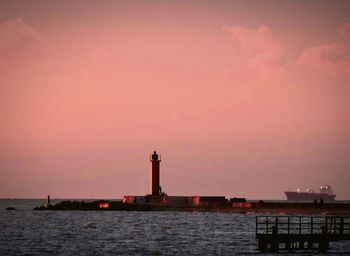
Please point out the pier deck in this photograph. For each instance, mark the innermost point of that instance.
(275, 233)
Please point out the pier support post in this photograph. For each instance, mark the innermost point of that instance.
(288, 246)
(323, 245)
(301, 245)
(262, 245)
(274, 243)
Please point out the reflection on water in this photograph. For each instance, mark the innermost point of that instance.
(125, 233)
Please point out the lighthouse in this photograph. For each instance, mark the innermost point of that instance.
(155, 167)
(158, 197)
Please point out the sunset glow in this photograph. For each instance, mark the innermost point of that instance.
(241, 98)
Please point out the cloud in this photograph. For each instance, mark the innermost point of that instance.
(19, 41)
(332, 59)
(265, 52)
(345, 31)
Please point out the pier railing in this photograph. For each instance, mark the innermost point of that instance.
(302, 225)
(300, 232)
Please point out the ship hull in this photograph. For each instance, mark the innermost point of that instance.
(309, 197)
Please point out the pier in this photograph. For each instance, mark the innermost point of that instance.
(291, 233)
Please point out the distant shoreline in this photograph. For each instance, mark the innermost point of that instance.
(117, 199)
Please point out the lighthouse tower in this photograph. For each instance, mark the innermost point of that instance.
(155, 166)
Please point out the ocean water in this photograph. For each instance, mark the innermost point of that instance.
(28, 232)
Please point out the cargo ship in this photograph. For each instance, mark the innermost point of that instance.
(325, 195)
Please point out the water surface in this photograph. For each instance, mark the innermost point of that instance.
(27, 232)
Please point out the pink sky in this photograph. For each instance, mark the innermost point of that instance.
(241, 98)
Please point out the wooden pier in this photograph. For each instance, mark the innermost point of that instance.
(291, 233)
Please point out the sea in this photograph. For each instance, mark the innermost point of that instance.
(27, 232)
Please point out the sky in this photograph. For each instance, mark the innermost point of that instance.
(241, 98)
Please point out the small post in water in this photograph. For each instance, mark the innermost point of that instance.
(47, 203)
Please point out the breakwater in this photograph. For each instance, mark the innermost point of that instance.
(260, 207)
